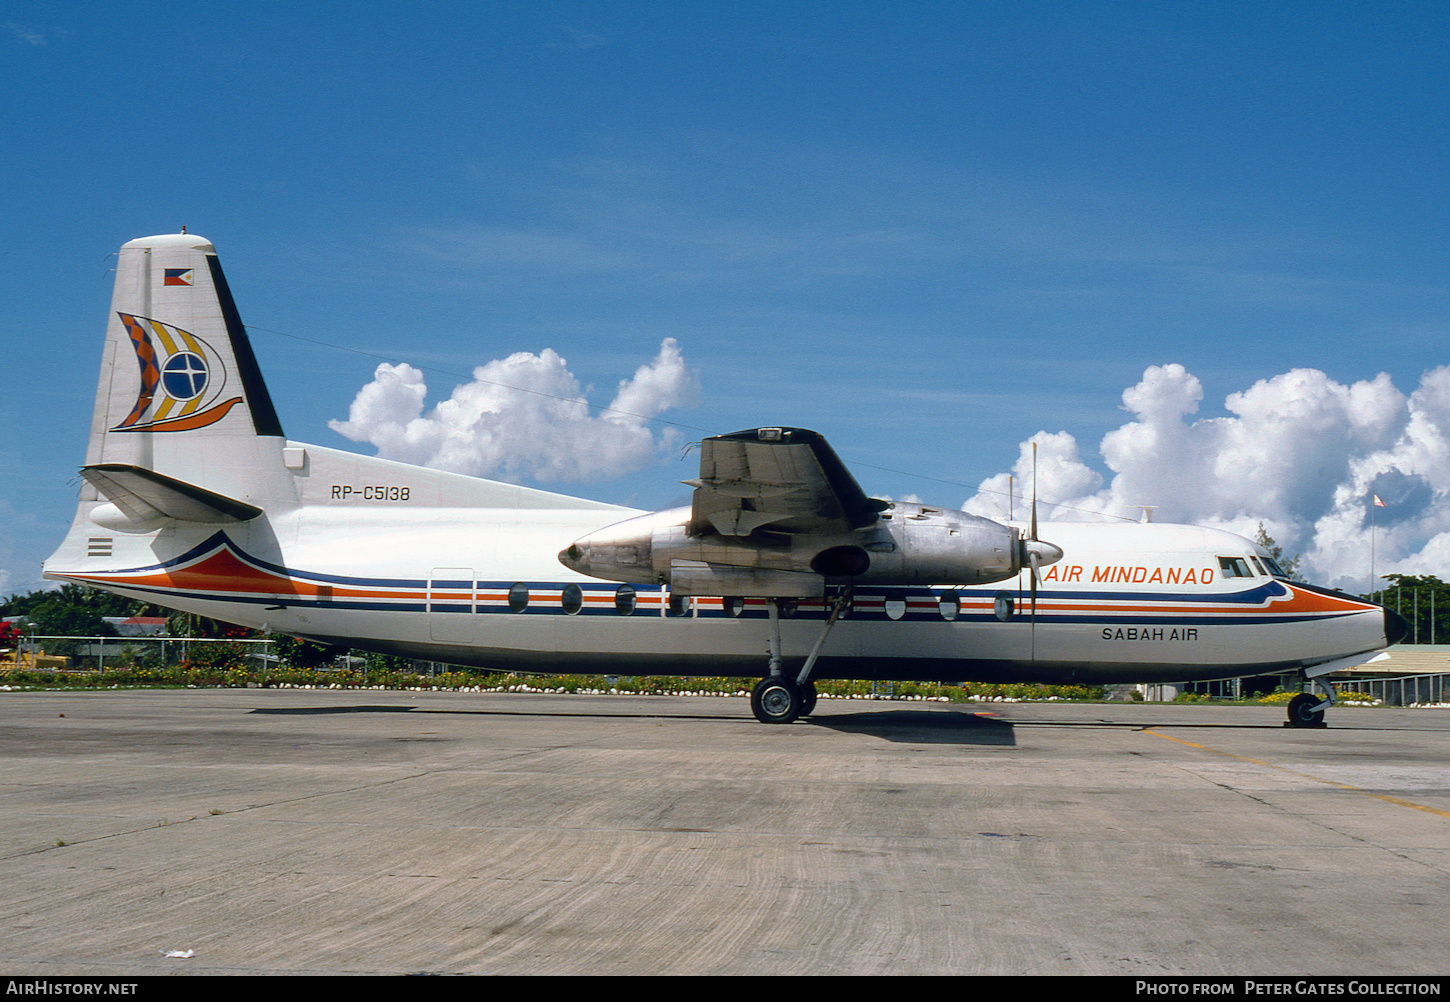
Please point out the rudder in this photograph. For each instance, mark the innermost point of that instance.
(180, 391)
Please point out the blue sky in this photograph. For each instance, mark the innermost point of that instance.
(928, 230)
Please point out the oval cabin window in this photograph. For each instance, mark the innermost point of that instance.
(572, 599)
(625, 599)
(519, 597)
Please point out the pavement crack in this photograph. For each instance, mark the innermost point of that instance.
(66, 843)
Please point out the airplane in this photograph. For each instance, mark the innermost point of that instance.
(780, 567)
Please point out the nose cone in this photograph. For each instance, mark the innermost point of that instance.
(575, 557)
(1396, 629)
(1046, 553)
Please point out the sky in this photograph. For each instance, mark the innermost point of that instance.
(1196, 251)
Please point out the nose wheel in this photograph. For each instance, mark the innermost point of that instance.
(1307, 709)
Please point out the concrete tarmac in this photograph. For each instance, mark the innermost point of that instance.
(345, 832)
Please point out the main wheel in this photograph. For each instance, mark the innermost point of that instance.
(775, 700)
(808, 699)
(1302, 712)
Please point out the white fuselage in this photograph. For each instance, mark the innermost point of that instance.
(382, 566)
(194, 499)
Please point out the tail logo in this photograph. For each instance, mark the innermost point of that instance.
(182, 379)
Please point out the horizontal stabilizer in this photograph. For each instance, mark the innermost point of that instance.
(144, 495)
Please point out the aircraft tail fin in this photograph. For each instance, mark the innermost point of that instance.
(180, 392)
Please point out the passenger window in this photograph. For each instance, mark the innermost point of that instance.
(949, 605)
(624, 599)
(519, 597)
(895, 605)
(1002, 606)
(572, 599)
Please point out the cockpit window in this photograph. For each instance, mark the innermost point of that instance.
(1258, 566)
(1274, 567)
(1235, 567)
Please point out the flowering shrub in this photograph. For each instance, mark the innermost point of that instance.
(225, 666)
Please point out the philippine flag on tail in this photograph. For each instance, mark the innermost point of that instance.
(177, 276)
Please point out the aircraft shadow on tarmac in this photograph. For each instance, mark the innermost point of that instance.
(923, 727)
(945, 727)
(308, 710)
(907, 726)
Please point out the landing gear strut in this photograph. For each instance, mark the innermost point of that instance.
(778, 698)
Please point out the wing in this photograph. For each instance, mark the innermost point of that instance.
(783, 479)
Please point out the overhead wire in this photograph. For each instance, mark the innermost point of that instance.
(395, 360)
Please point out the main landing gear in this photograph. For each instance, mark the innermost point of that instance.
(778, 698)
(1307, 709)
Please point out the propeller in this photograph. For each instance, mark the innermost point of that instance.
(1036, 551)
(1032, 554)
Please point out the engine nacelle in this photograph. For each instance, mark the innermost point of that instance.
(909, 544)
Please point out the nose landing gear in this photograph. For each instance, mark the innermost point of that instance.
(1307, 709)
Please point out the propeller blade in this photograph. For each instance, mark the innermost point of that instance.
(1036, 576)
(1032, 533)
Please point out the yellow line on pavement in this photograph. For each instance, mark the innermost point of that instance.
(1294, 772)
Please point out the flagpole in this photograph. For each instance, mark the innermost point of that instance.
(1374, 502)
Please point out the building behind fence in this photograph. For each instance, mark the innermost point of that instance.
(99, 653)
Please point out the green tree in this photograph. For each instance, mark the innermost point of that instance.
(68, 611)
(374, 661)
(58, 603)
(1289, 564)
(299, 653)
(59, 619)
(1424, 601)
(186, 624)
(72, 609)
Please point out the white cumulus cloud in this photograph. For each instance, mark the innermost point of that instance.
(1300, 452)
(522, 416)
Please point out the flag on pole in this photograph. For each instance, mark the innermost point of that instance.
(1377, 502)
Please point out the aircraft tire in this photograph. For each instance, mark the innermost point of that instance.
(776, 700)
(808, 699)
(1302, 712)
